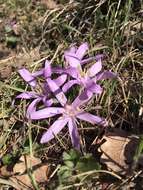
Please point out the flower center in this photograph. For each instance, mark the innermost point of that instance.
(70, 111)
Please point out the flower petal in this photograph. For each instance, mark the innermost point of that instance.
(38, 73)
(95, 88)
(94, 69)
(46, 113)
(61, 80)
(99, 56)
(72, 60)
(32, 107)
(91, 118)
(73, 72)
(74, 133)
(82, 50)
(82, 98)
(47, 70)
(57, 91)
(88, 60)
(72, 49)
(69, 84)
(27, 95)
(27, 76)
(55, 128)
(106, 75)
(48, 102)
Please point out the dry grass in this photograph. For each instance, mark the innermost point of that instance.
(110, 27)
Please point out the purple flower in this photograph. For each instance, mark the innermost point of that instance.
(68, 115)
(75, 55)
(28, 77)
(31, 79)
(87, 79)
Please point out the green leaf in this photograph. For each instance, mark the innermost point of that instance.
(12, 39)
(87, 163)
(71, 155)
(69, 163)
(75, 155)
(66, 156)
(7, 159)
(71, 158)
(8, 29)
(63, 173)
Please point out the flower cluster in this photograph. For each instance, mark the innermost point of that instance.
(52, 92)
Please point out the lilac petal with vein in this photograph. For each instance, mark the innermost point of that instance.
(72, 59)
(47, 102)
(73, 72)
(105, 75)
(27, 95)
(32, 107)
(27, 76)
(38, 73)
(60, 80)
(82, 98)
(56, 127)
(47, 70)
(57, 91)
(95, 88)
(46, 113)
(82, 50)
(94, 69)
(91, 118)
(74, 133)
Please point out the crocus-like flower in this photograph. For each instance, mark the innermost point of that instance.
(68, 115)
(75, 55)
(31, 79)
(87, 79)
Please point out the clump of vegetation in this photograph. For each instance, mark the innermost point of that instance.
(35, 31)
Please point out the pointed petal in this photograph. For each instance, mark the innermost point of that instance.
(55, 128)
(46, 113)
(32, 107)
(47, 70)
(72, 49)
(61, 80)
(95, 88)
(48, 102)
(82, 50)
(88, 60)
(74, 133)
(27, 76)
(106, 75)
(94, 69)
(38, 73)
(45, 88)
(99, 56)
(73, 72)
(27, 95)
(72, 60)
(57, 91)
(69, 84)
(82, 98)
(91, 118)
